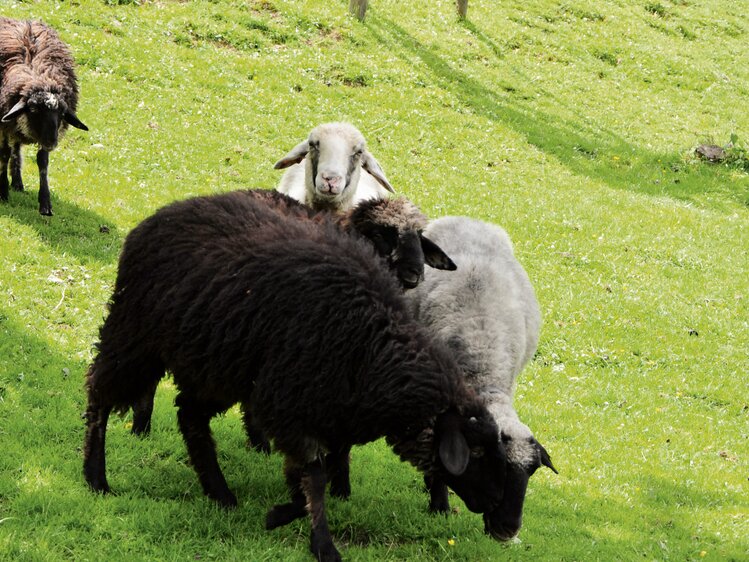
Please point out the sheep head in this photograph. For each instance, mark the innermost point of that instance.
(472, 460)
(334, 154)
(40, 116)
(395, 227)
(524, 457)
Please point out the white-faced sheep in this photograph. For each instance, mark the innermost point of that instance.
(488, 315)
(393, 226)
(38, 99)
(222, 308)
(337, 171)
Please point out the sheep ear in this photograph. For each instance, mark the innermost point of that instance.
(371, 165)
(296, 155)
(453, 449)
(71, 118)
(435, 257)
(545, 458)
(15, 111)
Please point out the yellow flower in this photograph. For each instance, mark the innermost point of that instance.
(451, 542)
(703, 553)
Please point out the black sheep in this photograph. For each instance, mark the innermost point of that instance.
(301, 322)
(393, 226)
(38, 98)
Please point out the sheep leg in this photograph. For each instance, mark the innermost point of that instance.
(143, 410)
(313, 484)
(255, 436)
(4, 157)
(194, 423)
(338, 463)
(283, 514)
(16, 162)
(42, 161)
(438, 501)
(109, 382)
(94, 469)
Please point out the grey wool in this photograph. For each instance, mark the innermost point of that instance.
(487, 313)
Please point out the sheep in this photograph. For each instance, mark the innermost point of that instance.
(488, 315)
(393, 226)
(334, 154)
(220, 303)
(38, 99)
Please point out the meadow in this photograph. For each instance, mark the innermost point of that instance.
(571, 124)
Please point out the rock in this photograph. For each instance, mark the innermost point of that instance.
(710, 152)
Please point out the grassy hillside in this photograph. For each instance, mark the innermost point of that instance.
(571, 124)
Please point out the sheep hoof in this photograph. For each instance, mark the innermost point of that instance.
(340, 490)
(16, 186)
(261, 446)
(141, 430)
(283, 514)
(323, 549)
(439, 507)
(226, 499)
(45, 211)
(99, 486)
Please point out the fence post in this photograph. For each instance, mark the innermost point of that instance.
(462, 8)
(358, 8)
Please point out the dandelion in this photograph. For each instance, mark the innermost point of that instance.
(451, 542)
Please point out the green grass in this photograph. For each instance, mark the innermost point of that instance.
(571, 124)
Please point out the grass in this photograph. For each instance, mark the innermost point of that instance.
(571, 125)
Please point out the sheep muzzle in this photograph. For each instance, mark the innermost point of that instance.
(500, 527)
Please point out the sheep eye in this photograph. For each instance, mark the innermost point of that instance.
(477, 452)
(356, 154)
(314, 145)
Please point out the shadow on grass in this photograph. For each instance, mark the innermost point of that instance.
(585, 149)
(41, 401)
(72, 230)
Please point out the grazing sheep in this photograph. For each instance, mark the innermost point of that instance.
(488, 315)
(393, 226)
(300, 321)
(335, 155)
(38, 98)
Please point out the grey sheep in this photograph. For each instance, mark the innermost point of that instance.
(38, 99)
(487, 313)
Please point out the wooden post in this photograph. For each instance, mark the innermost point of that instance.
(462, 8)
(358, 8)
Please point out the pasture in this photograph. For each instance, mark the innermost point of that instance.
(571, 124)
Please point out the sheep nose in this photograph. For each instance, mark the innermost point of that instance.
(331, 183)
(410, 276)
(410, 279)
(502, 530)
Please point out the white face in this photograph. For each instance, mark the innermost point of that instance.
(336, 165)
